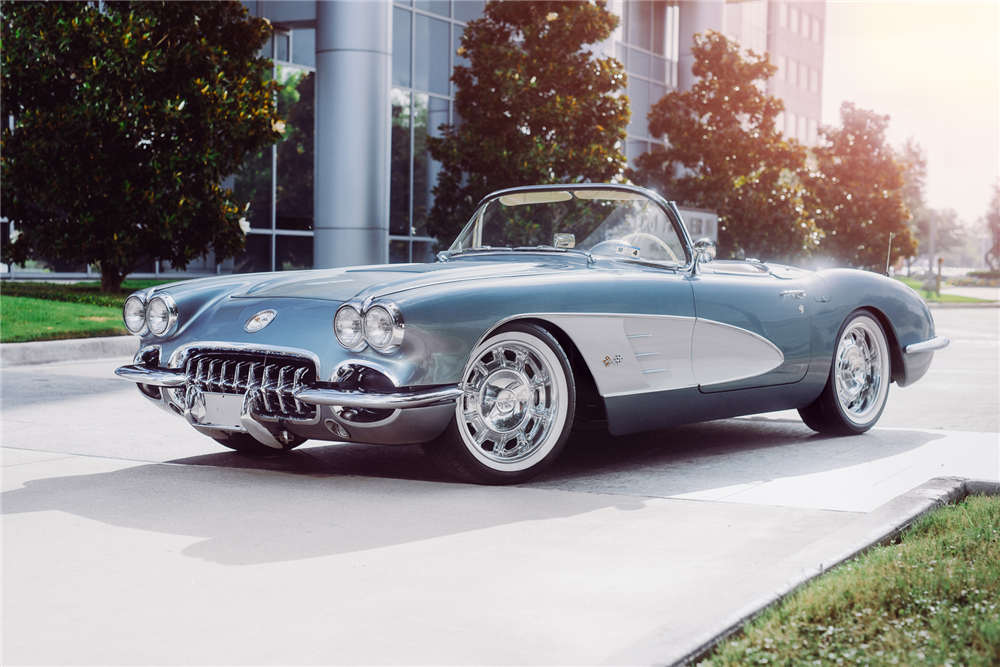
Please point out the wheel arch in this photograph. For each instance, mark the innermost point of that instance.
(897, 367)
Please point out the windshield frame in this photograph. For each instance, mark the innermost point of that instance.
(669, 209)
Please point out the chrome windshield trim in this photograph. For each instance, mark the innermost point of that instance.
(155, 377)
(932, 345)
(379, 401)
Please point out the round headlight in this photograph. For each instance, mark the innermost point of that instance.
(161, 315)
(134, 315)
(382, 331)
(347, 327)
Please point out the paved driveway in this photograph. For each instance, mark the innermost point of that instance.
(131, 539)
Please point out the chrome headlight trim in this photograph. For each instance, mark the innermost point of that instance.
(171, 314)
(351, 344)
(135, 299)
(396, 320)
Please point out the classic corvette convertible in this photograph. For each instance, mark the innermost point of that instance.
(556, 308)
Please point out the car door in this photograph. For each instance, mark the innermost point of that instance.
(752, 327)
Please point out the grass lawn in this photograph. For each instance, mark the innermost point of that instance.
(25, 319)
(48, 311)
(932, 599)
(931, 297)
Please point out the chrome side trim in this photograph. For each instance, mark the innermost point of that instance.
(378, 401)
(155, 377)
(932, 345)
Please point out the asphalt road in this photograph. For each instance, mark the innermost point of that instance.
(130, 539)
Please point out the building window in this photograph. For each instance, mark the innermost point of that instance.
(817, 31)
(814, 80)
(793, 19)
(278, 181)
(647, 45)
(793, 72)
(783, 14)
(425, 39)
(782, 68)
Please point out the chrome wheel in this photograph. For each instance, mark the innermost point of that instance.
(516, 410)
(856, 391)
(861, 370)
(513, 399)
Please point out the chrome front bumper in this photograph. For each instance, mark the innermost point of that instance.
(395, 400)
(932, 345)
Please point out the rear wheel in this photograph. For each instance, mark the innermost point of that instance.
(516, 411)
(856, 391)
(247, 444)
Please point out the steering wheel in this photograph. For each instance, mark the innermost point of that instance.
(656, 239)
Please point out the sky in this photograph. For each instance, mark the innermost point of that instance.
(934, 68)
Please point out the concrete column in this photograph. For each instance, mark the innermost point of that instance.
(695, 16)
(353, 116)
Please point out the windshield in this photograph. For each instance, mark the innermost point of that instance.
(608, 222)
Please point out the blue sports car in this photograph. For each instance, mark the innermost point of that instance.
(557, 307)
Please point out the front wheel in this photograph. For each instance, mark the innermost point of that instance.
(516, 411)
(856, 391)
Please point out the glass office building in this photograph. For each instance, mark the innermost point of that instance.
(364, 83)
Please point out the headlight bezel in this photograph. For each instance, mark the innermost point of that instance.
(349, 309)
(143, 328)
(362, 311)
(171, 314)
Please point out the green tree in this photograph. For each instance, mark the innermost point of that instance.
(536, 106)
(857, 191)
(127, 116)
(732, 159)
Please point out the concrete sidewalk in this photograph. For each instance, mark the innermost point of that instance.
(73, 349)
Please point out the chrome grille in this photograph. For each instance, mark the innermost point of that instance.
(277, 378)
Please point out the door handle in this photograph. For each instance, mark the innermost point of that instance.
(797, 293)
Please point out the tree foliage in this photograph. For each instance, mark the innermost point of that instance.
(733, 159)
(535, 106)
(127, 116)
(857, 192)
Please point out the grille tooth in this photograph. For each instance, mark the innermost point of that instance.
(236, 372)
(281, 388)
(296, 384)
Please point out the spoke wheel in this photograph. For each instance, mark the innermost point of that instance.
(858, 386)
(515, 412)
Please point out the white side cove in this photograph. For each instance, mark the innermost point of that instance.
(723, 353)
(636, 354)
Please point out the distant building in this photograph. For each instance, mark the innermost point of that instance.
(366, 82)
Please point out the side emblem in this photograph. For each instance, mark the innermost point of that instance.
(259, 321)
(616, 360)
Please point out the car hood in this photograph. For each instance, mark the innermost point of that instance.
(363, 282)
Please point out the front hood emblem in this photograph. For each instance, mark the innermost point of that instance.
(259, 321)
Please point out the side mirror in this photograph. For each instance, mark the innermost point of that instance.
(704, 251)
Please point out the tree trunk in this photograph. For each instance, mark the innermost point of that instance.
(112, 278)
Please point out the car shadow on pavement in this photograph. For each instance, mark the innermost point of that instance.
(715, 455)
(246, 517)
(332, 499)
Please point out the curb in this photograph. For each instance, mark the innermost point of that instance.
(879, 527)
(988, 304)
(74, 349)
